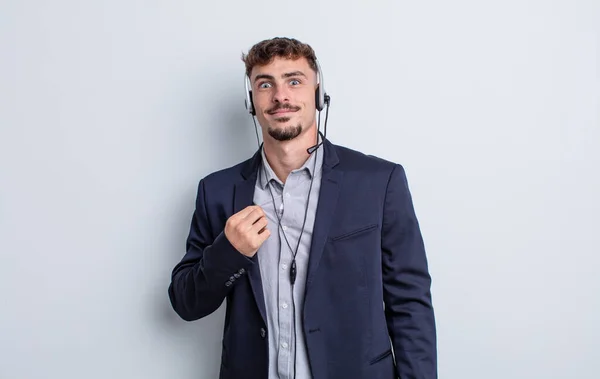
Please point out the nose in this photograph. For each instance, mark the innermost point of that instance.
(281, 95)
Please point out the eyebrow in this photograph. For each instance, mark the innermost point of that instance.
(291, 74)
(286, 75)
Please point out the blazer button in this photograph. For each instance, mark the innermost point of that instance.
(228, 283)
(263, 332)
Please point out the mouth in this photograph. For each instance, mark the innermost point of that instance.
(281, 111)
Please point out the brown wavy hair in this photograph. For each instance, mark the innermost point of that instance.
(265, 51)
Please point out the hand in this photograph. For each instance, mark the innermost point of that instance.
(247, 230)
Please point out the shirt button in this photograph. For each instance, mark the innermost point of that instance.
(284, 266)
(284, 305)
(284, 228)
(284, 345)
(287, 194)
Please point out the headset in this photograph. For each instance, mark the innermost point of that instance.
(321, 97)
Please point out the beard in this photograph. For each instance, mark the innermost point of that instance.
(286, 133)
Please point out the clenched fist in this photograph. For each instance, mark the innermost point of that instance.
(247, 230)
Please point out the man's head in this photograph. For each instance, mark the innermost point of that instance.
(283, 80)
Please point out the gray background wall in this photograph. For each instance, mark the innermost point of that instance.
(111, 111)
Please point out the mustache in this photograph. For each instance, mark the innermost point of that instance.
(283, 106)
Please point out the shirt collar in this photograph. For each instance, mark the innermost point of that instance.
(309, 164)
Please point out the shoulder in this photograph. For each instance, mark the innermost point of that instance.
(222, 181)
(355, 160)
(227, 174)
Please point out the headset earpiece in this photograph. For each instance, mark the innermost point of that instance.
(318, 97)
(251, 109)
(320, 92)
(249, 102)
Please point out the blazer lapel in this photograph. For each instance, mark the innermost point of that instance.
(244, 197)
(328, 196)
(330, 186)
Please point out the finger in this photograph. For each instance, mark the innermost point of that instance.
(262, 237)
(247, 225)
(259, 218)
(255, 215)
(246, 211)
(260, 224)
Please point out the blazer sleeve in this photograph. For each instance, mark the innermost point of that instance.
(406, 284)
(203, 278)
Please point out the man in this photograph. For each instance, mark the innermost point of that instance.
(317, 251)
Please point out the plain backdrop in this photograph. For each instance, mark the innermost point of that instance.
(112, 111)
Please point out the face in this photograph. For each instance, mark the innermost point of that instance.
(284, 97)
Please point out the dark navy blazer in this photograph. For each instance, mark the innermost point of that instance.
(368, 312)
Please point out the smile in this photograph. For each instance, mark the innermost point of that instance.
(283, 111)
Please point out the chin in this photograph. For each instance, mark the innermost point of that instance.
(285, 133)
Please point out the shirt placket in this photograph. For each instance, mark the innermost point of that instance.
(286, 343)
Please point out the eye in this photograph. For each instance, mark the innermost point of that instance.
(294, 82)
(264, 85)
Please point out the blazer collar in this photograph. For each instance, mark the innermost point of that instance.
(330, 160)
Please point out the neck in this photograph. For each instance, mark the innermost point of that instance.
(286, 156)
